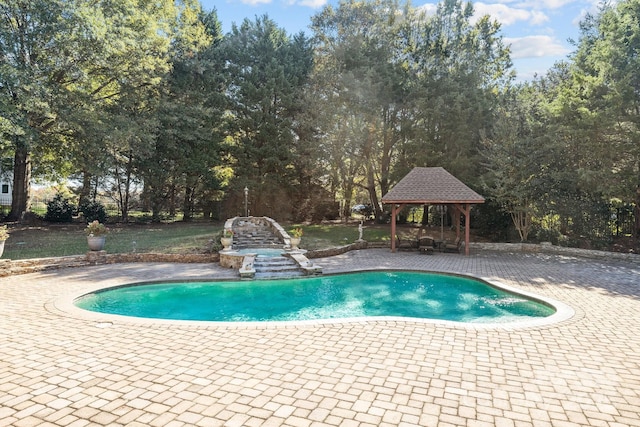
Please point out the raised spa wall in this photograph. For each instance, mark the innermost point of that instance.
(235, 260)
(243, 262)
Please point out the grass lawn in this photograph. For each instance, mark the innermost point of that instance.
(54, 240)
(69, 239)
(324, 236)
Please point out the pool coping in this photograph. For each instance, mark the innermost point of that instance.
(64, 305)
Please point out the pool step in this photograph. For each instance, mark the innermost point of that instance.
(258, 245)
(276, 268)
(278, 275)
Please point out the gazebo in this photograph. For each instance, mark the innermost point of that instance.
(432, 186)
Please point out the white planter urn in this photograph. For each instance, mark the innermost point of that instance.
(226, 243)
(294, 241)
(96, 243)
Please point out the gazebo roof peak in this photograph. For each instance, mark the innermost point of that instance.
(431, 185)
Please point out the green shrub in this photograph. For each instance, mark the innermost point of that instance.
(491, 221)
(93, 210)
(546, 234)
(59, 209)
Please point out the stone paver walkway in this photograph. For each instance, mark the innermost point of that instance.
(58, 368)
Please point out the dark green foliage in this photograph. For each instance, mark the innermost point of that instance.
(181, 162)
(68, 75)
(59, 209)
(268, 72)
(402, 89)
(127, 95)
(93, 210)
(567, 145)
(552, 235)
(490, 221)
(317, 206)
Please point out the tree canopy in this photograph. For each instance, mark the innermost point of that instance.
(149, 104)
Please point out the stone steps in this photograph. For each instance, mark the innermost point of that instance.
(250, 243)
(255, 233)
(255, 237)
(278, 275)
(276, 267)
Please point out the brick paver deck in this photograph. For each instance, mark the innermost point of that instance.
(59, 368)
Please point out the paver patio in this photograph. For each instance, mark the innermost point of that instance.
(61, 368)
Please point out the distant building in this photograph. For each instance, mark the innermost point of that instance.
(6, 185)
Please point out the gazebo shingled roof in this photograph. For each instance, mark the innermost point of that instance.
(432, 186)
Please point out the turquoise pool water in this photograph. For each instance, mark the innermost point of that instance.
(352, 295)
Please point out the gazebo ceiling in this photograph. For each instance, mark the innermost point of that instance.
(431, 186)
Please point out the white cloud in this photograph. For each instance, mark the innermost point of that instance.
(592, 7)
(255, 2)
(428, 8)
(507, 15)
(502, 13)
(535, 47)
(313, 4)
(544, 4)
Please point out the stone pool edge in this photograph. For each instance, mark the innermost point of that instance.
(64, 305)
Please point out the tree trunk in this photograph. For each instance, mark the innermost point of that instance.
(85, 192)
(373, 196)
(172, 199)
(636, 214)
(347, 191)
(522, 222)
(156, 203)
(346, 208)
(187, 205)
(21, 196)
(425, 215)
(124, 188)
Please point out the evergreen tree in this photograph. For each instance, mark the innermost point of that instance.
(606, 84)
(185, 152)
(268, 71)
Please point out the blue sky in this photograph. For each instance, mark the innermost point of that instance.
(537, 30)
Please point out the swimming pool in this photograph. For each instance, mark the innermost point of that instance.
(404, 294)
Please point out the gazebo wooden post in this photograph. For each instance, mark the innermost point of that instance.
(394, 211)
(466, 211)
(395, 208)
(467, 228)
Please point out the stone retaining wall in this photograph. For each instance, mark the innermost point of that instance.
(322, 253)
(10, 267)
(231, 259)
(22, 266)
(546, 247)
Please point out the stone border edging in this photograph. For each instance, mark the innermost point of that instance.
(552, 249)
